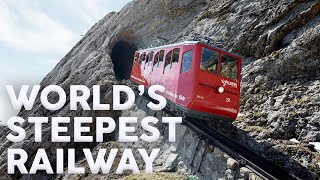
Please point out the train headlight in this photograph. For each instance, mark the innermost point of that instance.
(220, 89)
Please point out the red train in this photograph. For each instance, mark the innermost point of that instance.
(201, 80)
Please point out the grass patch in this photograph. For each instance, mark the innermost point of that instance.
(254, 129)
(154, 176)
(302, 100)
(206, 15)
(241, 117)
(259, 114)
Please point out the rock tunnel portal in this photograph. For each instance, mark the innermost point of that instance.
(122, 58)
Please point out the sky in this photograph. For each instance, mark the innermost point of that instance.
(36, 34)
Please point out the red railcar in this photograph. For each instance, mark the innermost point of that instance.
(201, 80)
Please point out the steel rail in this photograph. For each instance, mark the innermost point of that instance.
(246, 157)
(253, 161)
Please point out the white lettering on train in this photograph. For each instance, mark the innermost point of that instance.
(226, 82)
(180, 97)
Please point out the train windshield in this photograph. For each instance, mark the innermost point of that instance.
(209, 61)
(229, 67)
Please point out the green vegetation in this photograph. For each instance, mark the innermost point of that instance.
(155, 176)
(240, 118)
(193, 178)
(206, 15)
(256, 90)
(254, 129)
(259, 114)
(302, 100)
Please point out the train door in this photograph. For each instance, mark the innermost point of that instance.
(186, 77)
(208, 80)
(142, 62)
(175, 72)
(148, 68)
(136, 74)
(170, 73)
(134, 70)
(157, 69)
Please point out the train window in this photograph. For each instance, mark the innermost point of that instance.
(147, 60)
(167, 64)
(161, 56)
(136, 57)
(209, 61)
(186, 61)
(156, 60)
(142, 59)
(229, 67)
(175, 57)
(150, 58)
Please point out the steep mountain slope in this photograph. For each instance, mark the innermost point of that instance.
(279, 41)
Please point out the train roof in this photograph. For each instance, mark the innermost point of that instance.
(170, 45)
(187, 43)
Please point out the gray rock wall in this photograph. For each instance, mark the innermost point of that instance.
(279, 41)
(190, 155)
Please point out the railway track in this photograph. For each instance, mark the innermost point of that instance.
(246, 157)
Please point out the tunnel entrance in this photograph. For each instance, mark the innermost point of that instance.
(122, 58)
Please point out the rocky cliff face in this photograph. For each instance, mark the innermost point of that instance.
(190, 156)
(279, 41)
